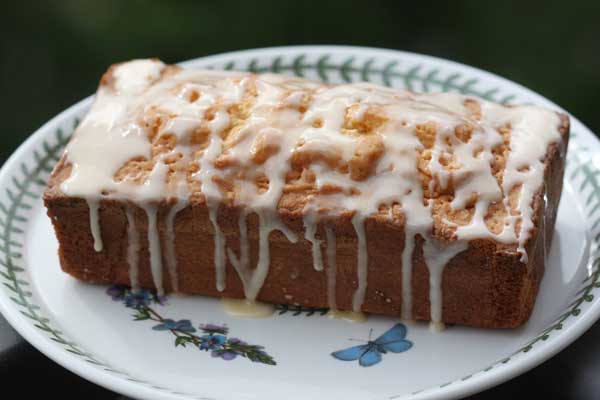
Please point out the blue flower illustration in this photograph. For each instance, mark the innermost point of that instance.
(116, 292)
(140, 299)
(226, 355)
(212, 329)
(161, 300)
(235, 341)
(212, 342)
(183, 325)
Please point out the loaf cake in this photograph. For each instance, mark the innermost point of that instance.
(435, 207)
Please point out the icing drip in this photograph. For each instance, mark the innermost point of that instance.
(267, 224)
(331, 268)
(407, 267)
(436, 257)
(437, 327)
(154, 248)
(219, 248)
(133, 248)
(93, 205)
(252, 280)
(252, 140)
(361, 262)
(262, 267)
(241, 264)
(169, 243)
(545, 241)
(213, 194)
(311, 225)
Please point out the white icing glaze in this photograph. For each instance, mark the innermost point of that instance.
(169, 244)
(94, 205)
(311, 225)
(361, 262)
(241, 264)
(407, 252)
(133, 248)
(154, 248)
(219, 248)
(437, 255)
(267, 224)
(532, 130)
(213, 194)
(253, 279)
(135, 75)
(331, 268)
(287, 119)
(437, 327)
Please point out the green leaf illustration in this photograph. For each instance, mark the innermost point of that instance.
(182, 341)
(141, 315)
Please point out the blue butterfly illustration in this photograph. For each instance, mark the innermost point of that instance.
(370, 353)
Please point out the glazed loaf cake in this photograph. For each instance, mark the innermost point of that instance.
(436, 207)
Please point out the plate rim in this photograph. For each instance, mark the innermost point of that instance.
(476, 383)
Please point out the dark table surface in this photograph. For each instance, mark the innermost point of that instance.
(52, 53)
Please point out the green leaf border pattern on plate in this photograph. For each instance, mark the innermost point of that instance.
(27, 186)
(295, 311)
(412, 77)
(27, 183)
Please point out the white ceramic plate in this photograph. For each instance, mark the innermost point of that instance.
(94, 334)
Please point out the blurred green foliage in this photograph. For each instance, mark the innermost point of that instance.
(53, 52)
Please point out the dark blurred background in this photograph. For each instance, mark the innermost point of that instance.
(52, 54)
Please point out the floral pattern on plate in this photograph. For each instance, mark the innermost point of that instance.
(215, 338)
